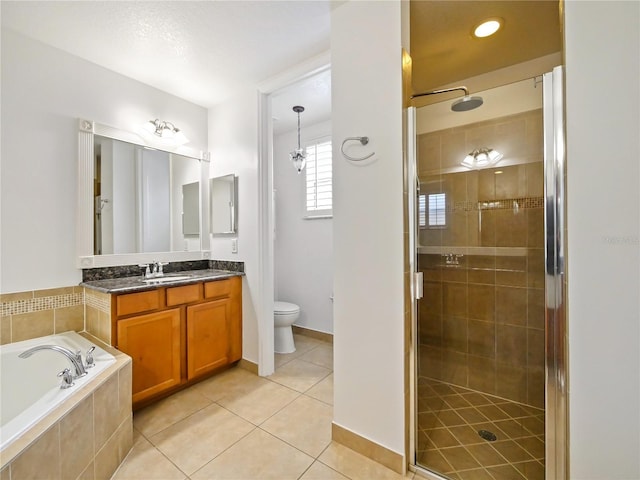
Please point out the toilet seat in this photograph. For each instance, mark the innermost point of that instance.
(285, 308)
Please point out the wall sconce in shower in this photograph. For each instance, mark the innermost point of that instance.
(167, 132)
(482, 158)
(298, 156)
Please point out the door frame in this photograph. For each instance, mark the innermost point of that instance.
(266, 289)
(556, 348)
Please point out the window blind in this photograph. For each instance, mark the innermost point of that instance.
(437, 210)
(319, 178)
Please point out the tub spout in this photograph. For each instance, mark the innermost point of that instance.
(76, 360)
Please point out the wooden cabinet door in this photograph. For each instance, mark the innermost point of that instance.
(153, 342)
(207, 336)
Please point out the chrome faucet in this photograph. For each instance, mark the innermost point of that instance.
(74, 358)
(153, 269)
(452, 258)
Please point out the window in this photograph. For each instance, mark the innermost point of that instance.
(319, 185)
(437, 217)
(432, 210)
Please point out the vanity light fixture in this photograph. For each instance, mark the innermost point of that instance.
(481, 158)
(298, 156)
(487, 27)
(167, 132)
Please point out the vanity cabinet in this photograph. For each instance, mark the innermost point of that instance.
(178, 335)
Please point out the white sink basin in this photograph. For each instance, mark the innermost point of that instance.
(167, 279)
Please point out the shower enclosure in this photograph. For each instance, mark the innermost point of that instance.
(481, 394)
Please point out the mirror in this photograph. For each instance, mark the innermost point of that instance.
(191, 209)
(138, 201)
(223, 192)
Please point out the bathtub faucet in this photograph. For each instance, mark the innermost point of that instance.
(74, 358)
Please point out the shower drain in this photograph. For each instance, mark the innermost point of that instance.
(487, 435)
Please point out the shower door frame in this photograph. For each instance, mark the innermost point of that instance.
(556, 348)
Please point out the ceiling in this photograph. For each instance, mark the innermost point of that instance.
(443, 50)
(202, 51)
(313, 93)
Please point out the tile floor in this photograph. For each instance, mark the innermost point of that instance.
(239, 426)
(449, 418)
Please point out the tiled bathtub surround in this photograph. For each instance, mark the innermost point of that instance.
(39, 313)
(87, 436)
(98, 314)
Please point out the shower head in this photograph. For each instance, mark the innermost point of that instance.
(462, 105)
(466, 103)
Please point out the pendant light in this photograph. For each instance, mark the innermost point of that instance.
(298, 156)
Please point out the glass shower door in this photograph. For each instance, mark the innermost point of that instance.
(480, 366)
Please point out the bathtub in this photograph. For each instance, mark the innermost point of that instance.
(30, 386)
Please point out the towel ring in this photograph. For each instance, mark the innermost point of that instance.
(363, 141)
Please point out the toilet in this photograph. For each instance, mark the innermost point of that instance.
(284, 314)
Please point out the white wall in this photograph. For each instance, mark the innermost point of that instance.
(44, 92)
(603, 155)
(233, 138)
(368, 222)
(303, 249)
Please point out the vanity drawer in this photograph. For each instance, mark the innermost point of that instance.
(219, 288)
(185, 294)
(138, 302)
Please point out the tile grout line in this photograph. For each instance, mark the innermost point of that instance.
(329, 466)
(255, 427)
(177, 421)
(148, 439)
(517, 418)
(147, 436)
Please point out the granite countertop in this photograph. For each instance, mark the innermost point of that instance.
(138, 283)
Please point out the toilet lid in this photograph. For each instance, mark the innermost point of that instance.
(285, 307)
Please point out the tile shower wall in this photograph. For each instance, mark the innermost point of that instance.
(481, 322)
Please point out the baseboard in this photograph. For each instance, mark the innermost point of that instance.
(307, 332)
(248, 365)
(368, 448)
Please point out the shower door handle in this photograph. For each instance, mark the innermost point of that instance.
(419, 285)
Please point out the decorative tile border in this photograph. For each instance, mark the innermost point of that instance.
(99, 301)
(38, 304)
(506, 204)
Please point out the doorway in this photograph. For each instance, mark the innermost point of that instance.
(266, 214)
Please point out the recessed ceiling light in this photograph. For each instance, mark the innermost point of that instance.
(487, 28)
